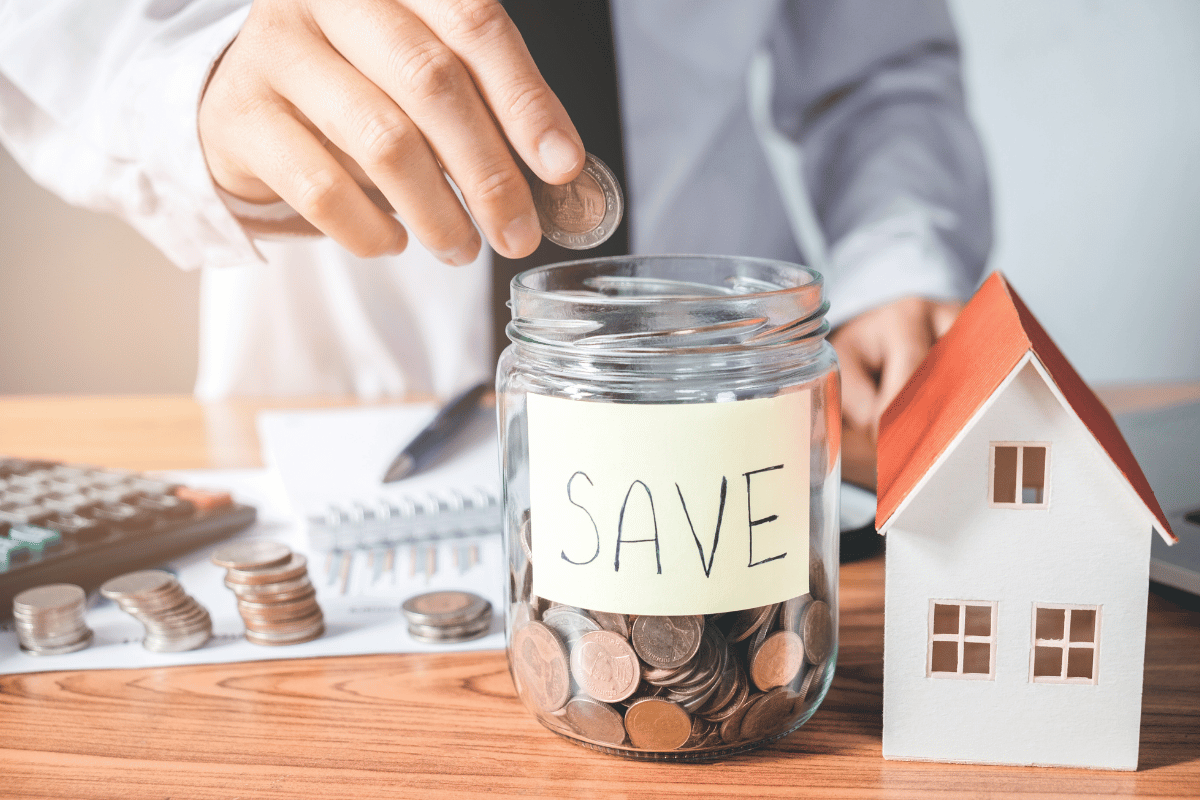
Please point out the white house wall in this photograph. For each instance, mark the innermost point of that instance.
(1090, 547)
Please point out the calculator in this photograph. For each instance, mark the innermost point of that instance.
(67, 523)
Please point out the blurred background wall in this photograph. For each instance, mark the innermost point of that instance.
(1090, 115)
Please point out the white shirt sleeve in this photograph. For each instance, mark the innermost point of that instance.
(98, 103)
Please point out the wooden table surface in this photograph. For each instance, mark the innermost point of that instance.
(450, 725)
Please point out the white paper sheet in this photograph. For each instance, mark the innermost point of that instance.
(360, 594)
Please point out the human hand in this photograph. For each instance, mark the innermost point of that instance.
(878, 351)
(314, 93)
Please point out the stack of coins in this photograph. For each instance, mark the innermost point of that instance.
(174, 621)
(277, 601)
(49, 619)
(713, 682)
(447, 616)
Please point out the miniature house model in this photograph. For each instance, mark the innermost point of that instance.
(1018, 546)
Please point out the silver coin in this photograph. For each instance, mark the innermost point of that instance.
(449, 634)
(138, 584)
(51, 597)
(272, 592)
(252, 554)
(445, 608)
(177, 644)
(594, 720)
(275, 640)
(302, 596)
(583, 213)
(35, 650)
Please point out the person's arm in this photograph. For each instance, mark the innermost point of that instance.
(311, 102)
(98, 104)
(899, 187)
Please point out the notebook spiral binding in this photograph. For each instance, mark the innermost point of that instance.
(406, 520)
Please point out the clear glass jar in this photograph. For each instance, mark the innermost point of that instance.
(670, 459)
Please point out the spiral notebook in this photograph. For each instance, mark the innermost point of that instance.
(331, 463)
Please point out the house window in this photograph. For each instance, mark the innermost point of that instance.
(962, 640)
(1066, 644)
(1020, 474)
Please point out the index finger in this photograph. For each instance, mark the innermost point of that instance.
(489, 45)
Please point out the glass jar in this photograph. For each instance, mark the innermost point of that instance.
(670, 459)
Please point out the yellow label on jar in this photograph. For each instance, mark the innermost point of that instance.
(670, 509)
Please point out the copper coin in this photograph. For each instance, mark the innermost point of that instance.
(748, 622)
(657, 724)
(294, 567)
(540, 661)
(769, 716)
(817, 632)
(305, 595)
(605, 666)
(445, 608)
(667, 642)
(583, 213)
(594, 720)
(818, 578)
(617, 623)
(778, 660)
(272, 592)
(251, 554)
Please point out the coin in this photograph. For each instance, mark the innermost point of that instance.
(594, 720)
(818, 578)
(748, 621)
(278, 639)
(450, 633)
(251, 554)
(290, 569)
(137, 584)
(445, 608)
(667, 641)
(792, 613)
(617, 623)
(657, 724)
(817, 632)
(569, 623)
(777, 661)
(42, 600)
(583, 213)
(768, 715)
(540, 660)
(605, 666)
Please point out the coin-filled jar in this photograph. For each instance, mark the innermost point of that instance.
(670, 459)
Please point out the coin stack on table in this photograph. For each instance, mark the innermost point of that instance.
(173, 620)
(49, 619)
(714, 683)
(447, 616)
(275, 597)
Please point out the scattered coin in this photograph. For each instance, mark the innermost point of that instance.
(275, 597)
(49, 619)
(583, 213)
(172, 619)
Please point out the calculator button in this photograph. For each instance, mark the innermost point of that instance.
(122, 516)
(167, 506)
(204, 500)
(38, 538)
(12, 553)
(76, 526)
(22, 514)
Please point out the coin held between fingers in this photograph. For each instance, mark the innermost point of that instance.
(583, 213)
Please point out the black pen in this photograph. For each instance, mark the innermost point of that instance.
(429, 442)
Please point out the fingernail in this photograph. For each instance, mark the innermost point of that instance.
(459, 256)
(521, 236)
(558, 154)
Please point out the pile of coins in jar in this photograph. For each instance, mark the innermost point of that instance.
(706, 682)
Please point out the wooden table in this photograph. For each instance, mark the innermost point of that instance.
(450, 725)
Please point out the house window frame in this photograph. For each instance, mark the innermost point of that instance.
(1065, 644)
(962, 638)
(991, 475)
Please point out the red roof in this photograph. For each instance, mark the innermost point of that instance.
(962, 370)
